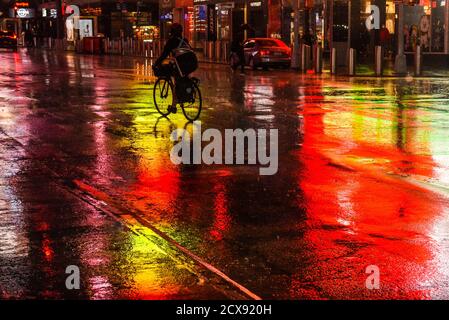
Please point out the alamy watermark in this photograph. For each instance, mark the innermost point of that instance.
(72, 282)
(252, 147)
(373, 280)
(373, 20)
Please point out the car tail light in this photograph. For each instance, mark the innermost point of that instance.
(264, 52)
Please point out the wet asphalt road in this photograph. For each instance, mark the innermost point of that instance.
(86, 180)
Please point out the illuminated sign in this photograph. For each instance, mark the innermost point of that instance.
(49, 13)
(22, 4)
(24, 13)
(256, 4)
(167, 16)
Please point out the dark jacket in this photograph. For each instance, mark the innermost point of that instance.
(171, 44)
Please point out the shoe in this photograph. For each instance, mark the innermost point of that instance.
(172, 109)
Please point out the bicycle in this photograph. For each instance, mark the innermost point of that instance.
(185, 91)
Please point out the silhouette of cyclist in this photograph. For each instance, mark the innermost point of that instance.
(175, 41)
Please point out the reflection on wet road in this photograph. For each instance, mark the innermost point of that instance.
(86, 180)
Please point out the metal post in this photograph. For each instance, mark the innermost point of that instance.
(59, 20)
(378, 63)
(295, 51)
(400, 63)
(334, 61)
(352, 61)
(122, 42)
(303, 57)
(211, 47)
(225, 52)
(217, 50)
(418, 61)
(318, 59)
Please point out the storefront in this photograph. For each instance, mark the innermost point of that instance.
(131, 19)
(224, 21)
(47, 23)
(199, 22)
(183, 14)
(221, 20)
(114, 19)
(166, 17)
(22, 19)
(425, 24)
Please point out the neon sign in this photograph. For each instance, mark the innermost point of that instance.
(22, 4)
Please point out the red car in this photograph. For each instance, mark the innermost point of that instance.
(266, 52)
(8, 40)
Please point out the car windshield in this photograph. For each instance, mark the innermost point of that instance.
(267, 43)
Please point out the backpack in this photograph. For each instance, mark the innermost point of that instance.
(185, 59)
(185, 90)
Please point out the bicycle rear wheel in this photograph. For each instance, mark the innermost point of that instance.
(192, 109)
(163, 96)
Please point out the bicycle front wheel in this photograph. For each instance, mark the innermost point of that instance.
(192, 108)
(163, 96)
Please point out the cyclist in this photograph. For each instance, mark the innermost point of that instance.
(175, 41)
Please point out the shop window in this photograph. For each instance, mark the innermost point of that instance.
(424, 26)
(200, 22)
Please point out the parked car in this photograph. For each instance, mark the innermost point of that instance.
(8, 40)
(266, 52)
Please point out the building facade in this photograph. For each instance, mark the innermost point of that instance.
(222, 20)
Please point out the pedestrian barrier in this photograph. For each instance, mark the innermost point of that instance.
(205, 49)
(305, 57)
(352, 62)
(215, 51)
(378, 61)
(418, 61)
(318, 59)
(211, 50)
(334, 60)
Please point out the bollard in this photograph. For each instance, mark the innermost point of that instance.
(225, 52)
(209, 50)
(378, 61)
(334, 61)
(318, 59)
(305, 58)
(308, 57)
(212, 50)
(351, 62)
(217, 50)
(418, 61)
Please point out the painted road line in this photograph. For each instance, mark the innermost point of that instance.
(101, 196)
